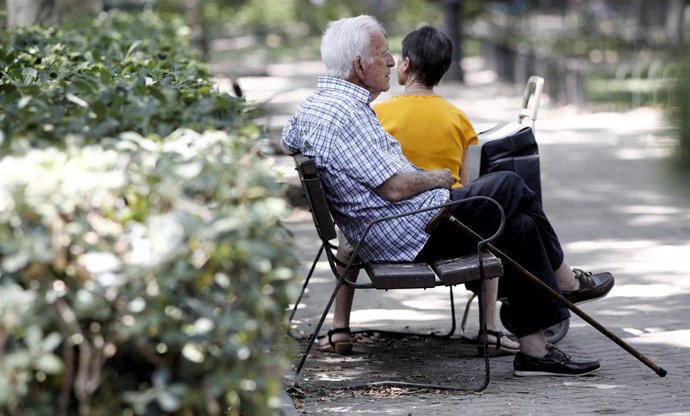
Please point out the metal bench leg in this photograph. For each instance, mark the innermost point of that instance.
(313, 336)
(487, 369)
(483, 331)
(452, 315)
(466, 315)
(304, 288)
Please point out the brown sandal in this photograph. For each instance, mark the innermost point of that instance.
(338, 347)
(496, 349)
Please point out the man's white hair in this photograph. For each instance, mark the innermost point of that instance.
(346, 39)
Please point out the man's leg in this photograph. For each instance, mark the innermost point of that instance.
(344, 298)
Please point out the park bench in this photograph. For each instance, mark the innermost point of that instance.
(389, 276)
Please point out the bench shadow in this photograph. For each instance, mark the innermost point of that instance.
(376, 358)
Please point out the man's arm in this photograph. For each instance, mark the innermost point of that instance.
(286, 150)
(405, 185)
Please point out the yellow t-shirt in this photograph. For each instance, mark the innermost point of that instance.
(433, 132)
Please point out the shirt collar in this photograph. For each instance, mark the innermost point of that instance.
(343, 86)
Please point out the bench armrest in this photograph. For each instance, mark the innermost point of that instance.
(480, 244)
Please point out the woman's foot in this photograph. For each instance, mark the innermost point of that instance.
(336, 341)
(579, 286)
(590, 286)
(499, 344)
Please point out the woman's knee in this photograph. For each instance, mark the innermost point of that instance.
(508, 179)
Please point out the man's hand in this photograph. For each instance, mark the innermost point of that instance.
(443, 176)
(405, 185)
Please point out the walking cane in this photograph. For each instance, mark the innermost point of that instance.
(660, 371)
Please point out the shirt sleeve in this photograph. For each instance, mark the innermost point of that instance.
(290, 137)
(468, 131)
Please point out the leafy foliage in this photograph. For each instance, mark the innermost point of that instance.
(97, 78)
(292, 19)
(143, 266)
(158, 271)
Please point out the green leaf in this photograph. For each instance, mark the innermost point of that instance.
(14, 262)
(32, 336)
(168, 401)
(76, 100)
(49, 364)
(30, 75)
(51, 342)
(24, 101)
(5, 390)
(18, 359)
(132, 48)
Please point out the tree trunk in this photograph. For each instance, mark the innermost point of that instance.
(28, 12)
(642, 18)
(675, 31)
(452, 10)
(46, 12)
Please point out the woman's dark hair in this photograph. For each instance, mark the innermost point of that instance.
(430, 52)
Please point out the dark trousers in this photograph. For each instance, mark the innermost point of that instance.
(527, 238)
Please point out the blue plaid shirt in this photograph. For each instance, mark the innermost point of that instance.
(354, 155)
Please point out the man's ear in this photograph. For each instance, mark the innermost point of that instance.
(358, 67)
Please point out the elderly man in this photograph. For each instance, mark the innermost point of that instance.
(366, 176)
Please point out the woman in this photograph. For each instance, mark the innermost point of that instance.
(434, 134)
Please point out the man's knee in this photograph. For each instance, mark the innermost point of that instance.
(345, 249)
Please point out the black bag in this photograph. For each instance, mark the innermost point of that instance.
(511, 147)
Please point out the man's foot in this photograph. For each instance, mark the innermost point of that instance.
(554, 363)
(592, 286)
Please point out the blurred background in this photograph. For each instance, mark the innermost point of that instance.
(613, 54)
(604, 54)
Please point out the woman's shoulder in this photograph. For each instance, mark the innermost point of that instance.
(386, 102)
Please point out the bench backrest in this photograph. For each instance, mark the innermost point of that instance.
(316, 197)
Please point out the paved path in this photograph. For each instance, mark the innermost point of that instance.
(616, 206)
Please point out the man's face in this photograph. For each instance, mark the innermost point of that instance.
(376, 72)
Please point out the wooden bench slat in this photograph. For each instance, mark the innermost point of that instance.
(465, 269)
(401, 275)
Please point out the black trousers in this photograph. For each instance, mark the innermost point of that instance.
(527, 238)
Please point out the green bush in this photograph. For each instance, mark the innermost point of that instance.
(97, 78)
(142, 277)
(143, 266)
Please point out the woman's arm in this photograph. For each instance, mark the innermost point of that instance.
(465, 168)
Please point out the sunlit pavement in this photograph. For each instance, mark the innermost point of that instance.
(616, 205)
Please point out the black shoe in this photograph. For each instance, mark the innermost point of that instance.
(554, 363)
(592, 287)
